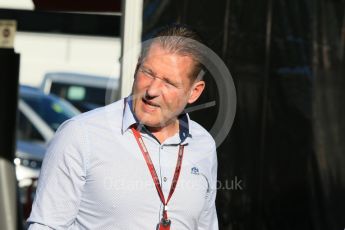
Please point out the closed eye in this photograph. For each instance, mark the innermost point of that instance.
(147, 72)
(170, 83)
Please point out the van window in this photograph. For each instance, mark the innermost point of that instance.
(76, 93)
(83, 97)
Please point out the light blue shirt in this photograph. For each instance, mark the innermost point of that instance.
(94, 176)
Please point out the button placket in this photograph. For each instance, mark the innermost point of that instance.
(163, 167)
(164, 176)
(160, 166)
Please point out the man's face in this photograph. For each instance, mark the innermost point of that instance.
(163, 87)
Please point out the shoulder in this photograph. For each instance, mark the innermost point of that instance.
(199, 132)
(202, 137)
(113, 109)
(101, 117)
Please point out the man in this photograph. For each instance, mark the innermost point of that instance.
(139, 163)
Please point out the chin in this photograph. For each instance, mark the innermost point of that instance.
(151, 124)
(148, 122)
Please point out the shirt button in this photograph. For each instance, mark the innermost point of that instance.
(165, 179)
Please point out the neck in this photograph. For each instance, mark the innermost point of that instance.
(163, 133)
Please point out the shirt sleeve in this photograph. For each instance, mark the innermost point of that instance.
(208, 219)
(61, 180)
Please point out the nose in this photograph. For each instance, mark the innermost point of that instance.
(155, 88)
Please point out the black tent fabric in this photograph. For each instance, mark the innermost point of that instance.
(287, 144)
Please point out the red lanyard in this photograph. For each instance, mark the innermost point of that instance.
(165, 222)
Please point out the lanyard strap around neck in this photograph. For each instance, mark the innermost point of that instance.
(153, 171)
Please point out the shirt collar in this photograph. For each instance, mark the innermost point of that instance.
(130, 119)
(128, 116)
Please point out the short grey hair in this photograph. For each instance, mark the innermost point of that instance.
(179, 39)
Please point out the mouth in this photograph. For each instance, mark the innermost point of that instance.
(150, 104)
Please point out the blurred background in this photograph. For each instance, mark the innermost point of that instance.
(282, 164)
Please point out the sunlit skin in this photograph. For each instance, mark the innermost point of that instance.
(162, 88)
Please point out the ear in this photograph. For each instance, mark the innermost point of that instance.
(196, 91)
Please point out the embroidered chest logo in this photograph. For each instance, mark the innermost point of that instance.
(195, 171)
